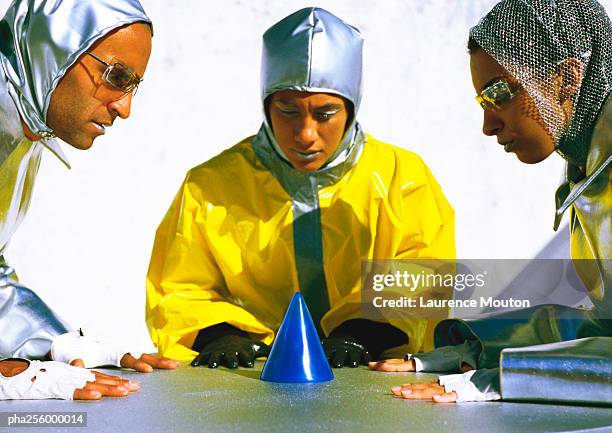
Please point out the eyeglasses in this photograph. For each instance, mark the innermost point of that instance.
(119, 77)
(493, 97)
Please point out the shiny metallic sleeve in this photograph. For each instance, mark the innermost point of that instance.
(486, 380)
(578, 371)
(451, 358)
(540, 324)
(27, 324)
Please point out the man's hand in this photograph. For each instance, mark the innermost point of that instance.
(105, 386)
(85, 351)
(35, 380)
(345, 351)
(145, 364)
(231, 351)
(424, 391)
(12, 367)
(395, 364)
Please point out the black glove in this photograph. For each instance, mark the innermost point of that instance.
(227, 345)
(353, 341)
(231, 351)
(345, 351)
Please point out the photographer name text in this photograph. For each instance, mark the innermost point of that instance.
(421, 302)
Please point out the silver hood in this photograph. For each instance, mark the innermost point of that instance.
(41, 39)
(312, 50)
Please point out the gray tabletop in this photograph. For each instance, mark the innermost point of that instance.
(358, 400)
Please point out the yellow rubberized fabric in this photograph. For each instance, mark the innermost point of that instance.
(224, 251)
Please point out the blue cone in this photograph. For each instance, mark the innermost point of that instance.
(297, 355)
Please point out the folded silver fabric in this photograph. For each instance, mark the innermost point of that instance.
(27, 325)
(578, 371)
(451, 358)
(540, 324)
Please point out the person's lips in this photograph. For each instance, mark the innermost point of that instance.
(508, 145)
(308, 155)
(101, 126)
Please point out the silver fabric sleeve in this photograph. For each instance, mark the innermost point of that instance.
(450, 358)
(540, 324)
(578, 371)
(486, 380)
(27, 324)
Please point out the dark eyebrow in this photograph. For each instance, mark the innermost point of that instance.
(330, 106)
(283, 101)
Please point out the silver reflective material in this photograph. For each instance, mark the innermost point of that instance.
(590, 201)
(532, 38)
(577, 371)
(19, 161)
(450, 358)
(298, 183)
(41, 39)
(568, 361)
(569, 368)
(27, 325)
(540, 324)
(311, 50)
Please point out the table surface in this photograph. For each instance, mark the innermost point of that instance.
(357, 400)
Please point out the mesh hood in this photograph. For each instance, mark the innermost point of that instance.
(41, 39)
(529, 38)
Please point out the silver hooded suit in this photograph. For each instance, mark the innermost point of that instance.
(39, 41)
(554, 352)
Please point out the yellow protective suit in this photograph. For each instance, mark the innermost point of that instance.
(224, 251)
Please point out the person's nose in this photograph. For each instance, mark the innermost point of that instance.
(122, 106)
(492, 124)
(306, 131)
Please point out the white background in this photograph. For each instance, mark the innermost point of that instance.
(85, 245)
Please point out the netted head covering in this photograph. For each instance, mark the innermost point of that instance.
(41, 39)
(532, 38)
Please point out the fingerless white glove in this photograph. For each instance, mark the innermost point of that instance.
(465, 388)
(94, 353)
(418, 365)
(43, 380)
